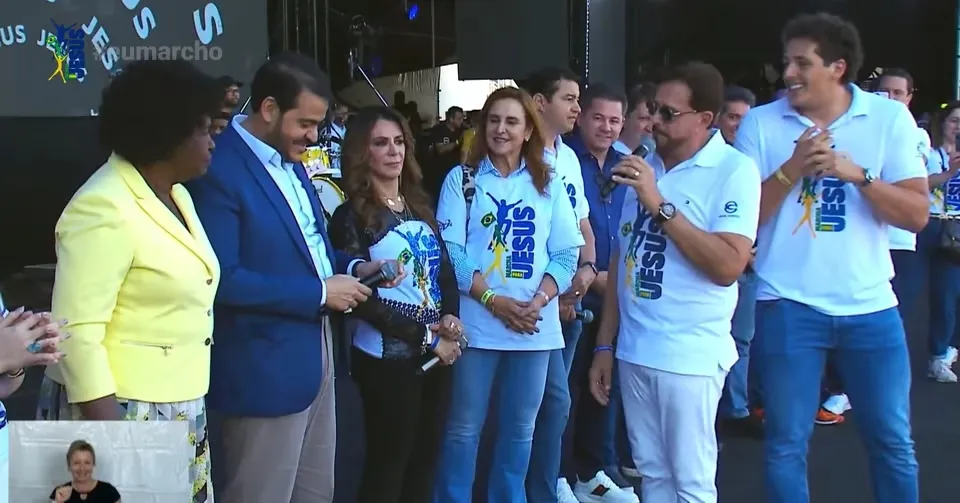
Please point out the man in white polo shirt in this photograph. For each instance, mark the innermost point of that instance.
(839, 165)
(686, 233)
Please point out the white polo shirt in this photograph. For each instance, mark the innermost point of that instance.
(901, 239)
(509, 233)
(565, 163)
(825, 246)
(672, 317)
(945, 199)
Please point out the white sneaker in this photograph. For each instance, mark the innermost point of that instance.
(940, 371)
(600, 489)
(838, 404)
(951, 356)
(565, 493)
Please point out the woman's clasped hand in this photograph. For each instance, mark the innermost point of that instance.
(450, 330)
(519, 316)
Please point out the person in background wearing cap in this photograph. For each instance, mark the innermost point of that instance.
(231, 91)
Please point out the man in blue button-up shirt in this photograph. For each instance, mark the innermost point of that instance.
(596, 451)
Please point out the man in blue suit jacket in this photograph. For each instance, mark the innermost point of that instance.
(274, 343)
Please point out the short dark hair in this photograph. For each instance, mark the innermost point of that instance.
(898, 72)
(284, 76)
(453, 111)
(836, 39)
(224, 116)
(546, 81)
(80, 446)
(182, 99)
(705, 84)
(644, 92)
(737, 94)
(601, 91)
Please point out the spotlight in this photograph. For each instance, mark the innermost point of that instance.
(413, 10)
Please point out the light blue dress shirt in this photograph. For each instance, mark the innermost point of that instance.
(297, 198)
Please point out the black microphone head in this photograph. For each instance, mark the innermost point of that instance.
(587, 316)
(388, 271)
(647, 145)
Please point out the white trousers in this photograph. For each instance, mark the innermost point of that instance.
(671, 424)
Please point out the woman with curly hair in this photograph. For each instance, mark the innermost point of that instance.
(136, 276)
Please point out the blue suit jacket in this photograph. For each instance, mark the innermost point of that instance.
(266, 355)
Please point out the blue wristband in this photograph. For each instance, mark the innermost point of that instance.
(435, 343)
(602, 348)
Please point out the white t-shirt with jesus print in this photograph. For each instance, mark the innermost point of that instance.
(672, 316)
(509, 233)
(566, 164)
(417, 297)
(825, 247)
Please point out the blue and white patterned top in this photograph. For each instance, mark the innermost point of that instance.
(418, 295)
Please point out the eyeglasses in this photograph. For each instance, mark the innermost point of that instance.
(666, 113)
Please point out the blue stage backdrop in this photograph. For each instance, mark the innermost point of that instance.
(59, 54)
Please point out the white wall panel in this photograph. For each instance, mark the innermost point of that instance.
(148, 462)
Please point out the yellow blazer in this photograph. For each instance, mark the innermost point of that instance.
(136, 289)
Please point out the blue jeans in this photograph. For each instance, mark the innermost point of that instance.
(944, 293)
(520, 377)
(870, 352)
(735, 401)
(596, 435)
(552, 419)
(910, 275)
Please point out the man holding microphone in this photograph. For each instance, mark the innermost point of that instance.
(686, 232)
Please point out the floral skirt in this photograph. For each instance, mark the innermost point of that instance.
(53, 406)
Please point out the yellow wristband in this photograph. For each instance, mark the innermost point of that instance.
(485, 298)
(783, 178)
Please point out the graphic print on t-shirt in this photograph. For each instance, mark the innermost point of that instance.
(950, 195)
(424, 252)
(825, 212)
(644, 256)
(571, 191)
(513, 239)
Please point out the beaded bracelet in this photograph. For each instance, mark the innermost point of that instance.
(602, 348)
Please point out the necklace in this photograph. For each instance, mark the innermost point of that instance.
(393, 203)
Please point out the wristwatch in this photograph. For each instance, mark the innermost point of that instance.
(867, 178)
(666, 212)
(592, 266)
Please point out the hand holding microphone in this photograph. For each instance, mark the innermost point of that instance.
(647, 145)
(451, 350)
(345, 292)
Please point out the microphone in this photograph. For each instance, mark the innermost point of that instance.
(647, 145)
(386, 273)
(585, 316)
(436, 359)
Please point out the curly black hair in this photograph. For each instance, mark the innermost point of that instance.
(153, 106)
(836, 39)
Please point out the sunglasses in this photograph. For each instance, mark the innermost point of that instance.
(666, 113)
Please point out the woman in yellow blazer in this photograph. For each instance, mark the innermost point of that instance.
(136, 276)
